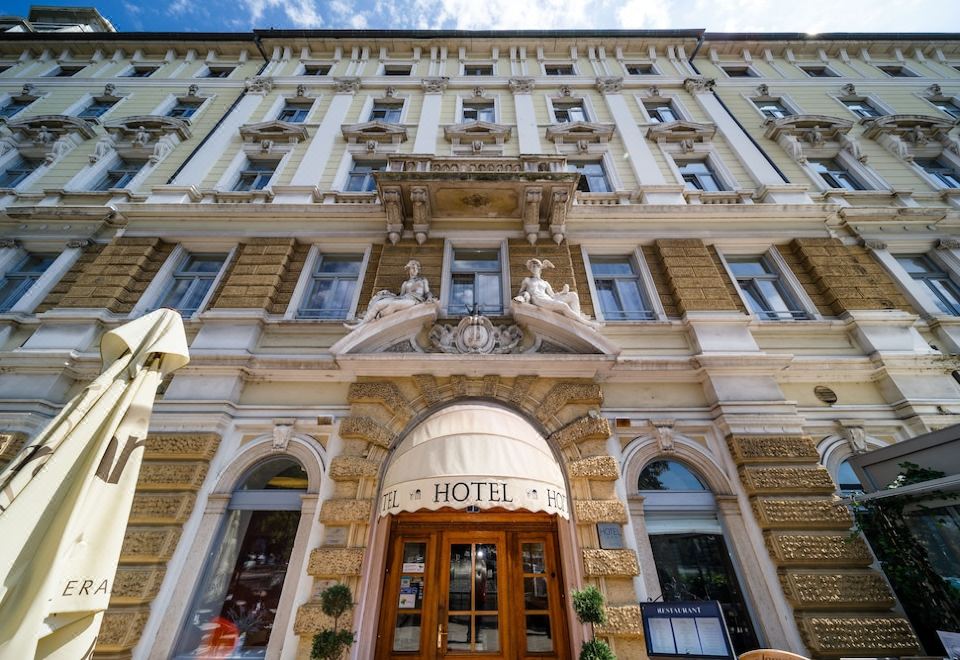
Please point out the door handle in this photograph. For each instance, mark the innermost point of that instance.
(440, 635)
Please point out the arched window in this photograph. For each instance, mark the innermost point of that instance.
(686, 540)
(847, 481)
(235, 605)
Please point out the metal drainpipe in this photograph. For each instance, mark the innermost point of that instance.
(723, 105)
(223, 117)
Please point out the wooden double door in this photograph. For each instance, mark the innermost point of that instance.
(473, 586)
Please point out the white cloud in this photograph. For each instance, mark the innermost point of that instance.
(301, 13)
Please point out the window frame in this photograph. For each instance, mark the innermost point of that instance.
(844, 169)
(304, 107)
(17, 158)
(789, 284)
(935, 179)
(28, 279)
(877, 112)
(564, 105)
(681, 160)
(246, 169)
(602, 161)
(137, 68)
(213, 70)
(316, 65)
(927, 295)
(392, 69)
(178, 103)
(306, 279)
(157, 290)
(64, 71)
(464, 102)
(751, 72)
(94, 101)
(400, 104)
(950, 101)
(547, 66)
(368, 176)
(904, 70)
(11, 101)
(464, 66)
(648, 289)
(652, 69)
(446, 288)
(828, 71)
(118, 163)
(35, 294)
(660, 101)
(778, 100)
(174, 274)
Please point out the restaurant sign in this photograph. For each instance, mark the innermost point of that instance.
(686, 629)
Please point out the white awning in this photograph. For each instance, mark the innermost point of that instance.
(474, 456)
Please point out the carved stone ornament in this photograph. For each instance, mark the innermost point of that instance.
(377, 130)
(521, 85)
(662, 432)
(275, 132)
(579, 131)
(29, 90)
(763, 90)
(902, 135)
(390, 92)
(76, 243)
(435, 85)
(948, 244)
(874, 244)
(281, 436)
(537, 291)
(301, 91)
(478, 92)
(142, 136)
(258, 85)
(193, 90)
(49, 137)
(855, 435)
(414, 291)
(346, 85)
(795, 131)
(566, 90)
(849, 90)
(699, 85)
(935, 90)
(610, 85)
(654, 91)
(9, 243)
(475, 334)
(531, 213)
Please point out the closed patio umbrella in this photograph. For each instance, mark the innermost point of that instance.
(66, 497)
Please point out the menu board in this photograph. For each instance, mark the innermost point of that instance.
(686, 629)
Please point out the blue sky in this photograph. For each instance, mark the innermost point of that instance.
(715, 15)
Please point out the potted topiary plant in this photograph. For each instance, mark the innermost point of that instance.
(588, 605)
(330, 643)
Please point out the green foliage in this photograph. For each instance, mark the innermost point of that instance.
(588, 604)
(596, 649)
(330, 643)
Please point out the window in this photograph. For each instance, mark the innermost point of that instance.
(617, 283)
(64, 71)
(18, 280)
(239, 593)
(897, 71)
(192, 281)
(558, 69)
(661, 111)
(13, 107)
(765, 292)
(218, 71)
(388, 112)
(332, 286)
(478, 69)
(479, 111)
(361, 177)
(17, 171)
(945, 292)
(818, 71)
(739, 71)
(256, 175)
(142, 71)
(836, 175)
(847, 481)
(475, 282)
(397, 69)
(184, 109)
(95, 109)
(940, 170)
(668, 475)
(773, 109)
(295, 113)
(569, 111)
(316, 70)
(593, 178)
(948, 106)
(862, 108)
(120, 175)
(644, 69)
(698, 175)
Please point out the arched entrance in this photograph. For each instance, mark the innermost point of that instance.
(473, 496)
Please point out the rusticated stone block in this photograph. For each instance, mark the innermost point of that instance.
(817, 549)
(563, 394)
(625, 621)
(521, 387)
(353, 467)
(171, 476)
(135, 585)
(819, 513)
(850, 590)
(785, 480)
(428, 387)
(346, 511)
(588, 427)
(592, 511)
(144, 545)
(310, 620)
(835, 636)
(600, 563)
(181, 446)
(599, 468)
(161, 508)
(367, 429)
(121, 629)
(385, 393)
(335, 562)
(10, 444)
(772, 448)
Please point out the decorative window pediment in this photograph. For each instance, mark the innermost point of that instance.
(142, 137)
(48, 137)
(470, 132)
(273, 136)
(809, 136)
(684, 133)
(909, 136)
(376, 131)
(578, 132)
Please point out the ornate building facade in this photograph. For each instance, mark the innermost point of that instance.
(479, 318)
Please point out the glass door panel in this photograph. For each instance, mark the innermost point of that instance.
(407, 630)
(473, 598)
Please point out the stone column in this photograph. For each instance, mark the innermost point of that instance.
(429, 126)
(527, 128)
(654, 186)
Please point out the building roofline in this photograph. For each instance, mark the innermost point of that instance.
(831, 36)
(479, 34)
(128, 36)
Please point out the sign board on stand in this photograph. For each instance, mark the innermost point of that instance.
(686, 629)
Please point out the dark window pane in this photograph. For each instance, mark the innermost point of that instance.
(538, 633)
(487, 633)
(406, 634)
(668, 475)
(276, 474)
